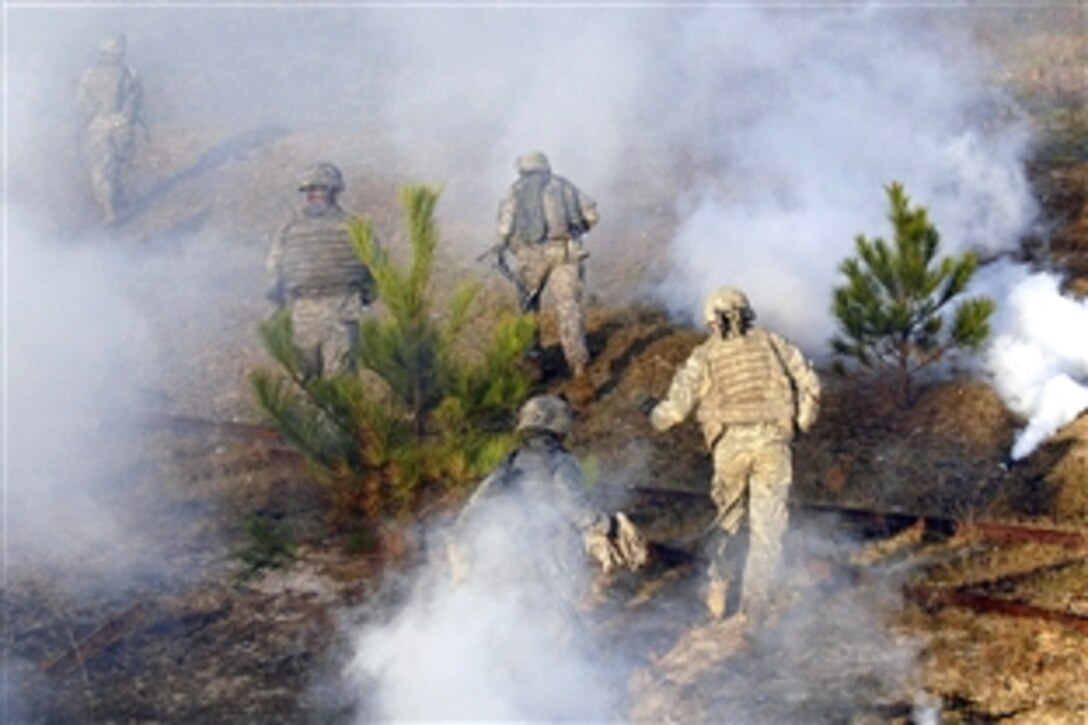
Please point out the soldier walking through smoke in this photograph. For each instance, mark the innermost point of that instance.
(751, 391)
(541, 478)
(110, 98)
(541, 224)
(315, 272)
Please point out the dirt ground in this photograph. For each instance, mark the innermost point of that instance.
(876, 497)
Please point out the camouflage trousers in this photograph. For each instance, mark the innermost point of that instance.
(753, 470)
(326, 330)
(108, 148)
(555, 269)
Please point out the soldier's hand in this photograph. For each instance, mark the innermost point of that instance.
(629, 542)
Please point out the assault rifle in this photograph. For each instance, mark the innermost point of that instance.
(527, 299)
(142, 123)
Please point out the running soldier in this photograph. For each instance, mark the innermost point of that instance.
(315, 272)
(541, 223)
(751, 391)
(110, 99)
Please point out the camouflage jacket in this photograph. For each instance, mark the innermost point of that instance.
(541, 206)
(753, 379)
(110, 90)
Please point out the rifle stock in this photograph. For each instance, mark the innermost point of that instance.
(526, 300)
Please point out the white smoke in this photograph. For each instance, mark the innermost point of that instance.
(828, 109)
(792, 121)
(504, 640)
(784, 126)
(76, 357)
(1039, 357)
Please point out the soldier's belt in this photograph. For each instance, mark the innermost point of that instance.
(516, 244)
(568, 248)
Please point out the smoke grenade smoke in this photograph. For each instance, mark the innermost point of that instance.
(785, 127)
(498, 636)
(810, 125)
(77, 357)
(1039, 359)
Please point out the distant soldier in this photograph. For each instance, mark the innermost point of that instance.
(751, 391)
(315, 272)
(541, 223)
(110, 100)
(542, 478)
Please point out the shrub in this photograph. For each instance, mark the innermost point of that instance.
(892, 309)
(270, 546)
(421, 415)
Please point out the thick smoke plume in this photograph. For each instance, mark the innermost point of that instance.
(78, 354)
(1039, 361)
(499, 636)
(809, 126)
(772, 134)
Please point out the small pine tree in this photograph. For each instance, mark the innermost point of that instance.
(421, 414)
(891, 309)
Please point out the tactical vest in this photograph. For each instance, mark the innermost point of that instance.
(546, 207)
(319, 259)
(749, 384)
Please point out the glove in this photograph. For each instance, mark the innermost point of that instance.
(623, 546)
(630, 542)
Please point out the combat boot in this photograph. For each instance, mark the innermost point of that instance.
(580, 390)
(717, 591)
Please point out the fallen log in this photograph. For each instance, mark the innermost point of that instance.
(1004, 582)
(995, 531)
(893, 522)
(934, 597)
(1023, 534)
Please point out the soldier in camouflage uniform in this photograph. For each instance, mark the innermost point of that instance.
(110, 97)
(315, 271)
(542, 475)
(751, 391)
(541, 223)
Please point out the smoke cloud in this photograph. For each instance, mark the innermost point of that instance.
(809, 128)
(1038, 360)
(78, 355)
(502, 639)
(770, 134)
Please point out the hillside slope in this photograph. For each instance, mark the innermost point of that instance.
(909, 601)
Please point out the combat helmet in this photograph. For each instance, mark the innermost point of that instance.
(112, 48)
(532, 161)
(545, 412)
(723, 301)
(728, 308)
(322, 174)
